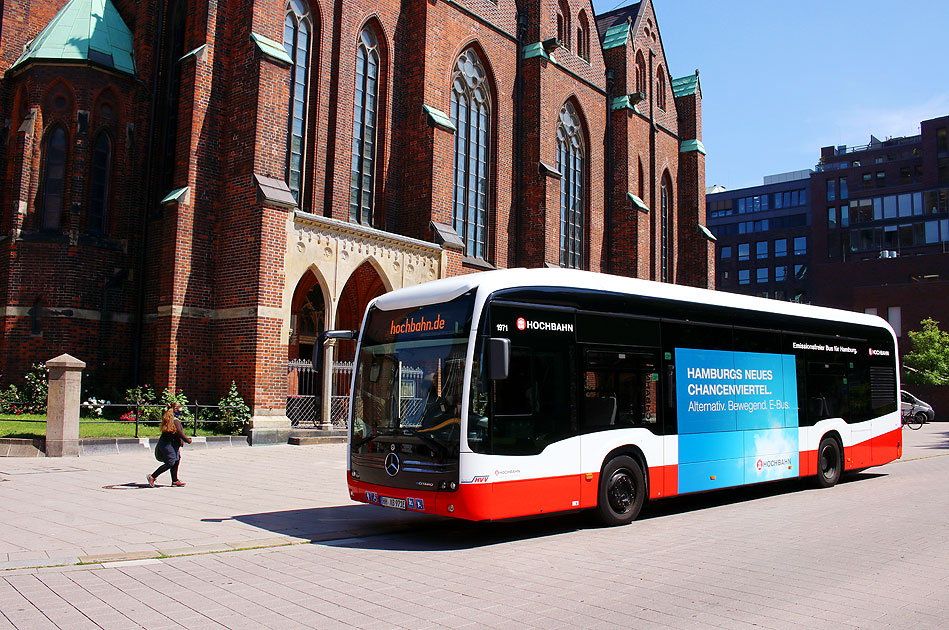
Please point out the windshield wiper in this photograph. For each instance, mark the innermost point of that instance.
(373, 436)
(427, 439)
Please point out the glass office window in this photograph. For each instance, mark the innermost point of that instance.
(744, 251)
(894, 315)
(800, 245)
(905, 203)
(780, 247)
(889, 207)
(761, 249)
(932, 232)
(744, 276)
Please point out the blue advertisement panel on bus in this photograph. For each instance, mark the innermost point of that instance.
(737, 418)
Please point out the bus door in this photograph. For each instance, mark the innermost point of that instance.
(533, 412)
(620, 390)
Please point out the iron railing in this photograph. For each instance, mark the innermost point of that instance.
(304, 393)
(195, 414)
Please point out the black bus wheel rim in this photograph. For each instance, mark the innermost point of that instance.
(828, 462)
(622, 492)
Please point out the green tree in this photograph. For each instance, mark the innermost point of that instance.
(928, 361)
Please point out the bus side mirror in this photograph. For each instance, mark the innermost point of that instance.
(317, 357)
(499, 350)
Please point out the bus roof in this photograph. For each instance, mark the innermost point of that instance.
(488, 282)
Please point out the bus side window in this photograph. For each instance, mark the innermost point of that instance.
(826, 390)
(619, 389)
(512, 395)
(532, 407)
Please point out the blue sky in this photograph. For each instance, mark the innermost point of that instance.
(780, 80)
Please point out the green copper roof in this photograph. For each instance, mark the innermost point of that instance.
(535, 50)
(438, 118)
(691, 145)
(177, 195)
(639, 203)
(270, 48)
(621, 102)
(616, 36)
(685, 85)
(84, 30)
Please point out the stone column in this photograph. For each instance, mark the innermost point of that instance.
(326, 422)
(62, 407)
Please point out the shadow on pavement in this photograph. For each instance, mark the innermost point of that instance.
(372, 527)
(940, 438)
(330, 523)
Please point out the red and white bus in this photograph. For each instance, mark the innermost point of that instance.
(518, 392)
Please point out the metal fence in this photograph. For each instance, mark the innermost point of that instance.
(194, 414)
(304, 395)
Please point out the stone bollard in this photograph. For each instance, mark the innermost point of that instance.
(62, 406)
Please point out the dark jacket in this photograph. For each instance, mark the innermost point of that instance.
(168, 444)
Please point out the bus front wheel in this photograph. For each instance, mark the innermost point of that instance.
(622, 491)
(830, 463)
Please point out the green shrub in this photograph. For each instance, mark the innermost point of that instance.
(36, 389)
(139, 398)
(11, 401)
(233, 414)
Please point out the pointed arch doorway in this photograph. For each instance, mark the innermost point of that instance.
(307, 321)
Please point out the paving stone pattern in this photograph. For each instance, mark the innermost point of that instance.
(870, 553)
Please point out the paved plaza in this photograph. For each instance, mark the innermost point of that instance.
(267, 538)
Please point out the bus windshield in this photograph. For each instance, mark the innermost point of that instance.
(410, 373)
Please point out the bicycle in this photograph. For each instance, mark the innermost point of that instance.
(913, 419)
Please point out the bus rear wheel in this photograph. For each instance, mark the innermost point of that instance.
(622, 491)
(829, 463)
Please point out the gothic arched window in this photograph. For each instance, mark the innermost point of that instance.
(570, 163)
(471, 115)
(665, 213)
(365, 108)
(641, 73)
(661, 88)
(583, 36)
(54, 177)
(297, 32)
(99, 182)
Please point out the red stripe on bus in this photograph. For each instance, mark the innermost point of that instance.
(524, 497)
(876, 451)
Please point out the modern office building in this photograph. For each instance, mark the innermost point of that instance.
(867, 230)
(763, 237)
(881, 227)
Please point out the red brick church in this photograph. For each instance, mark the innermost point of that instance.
(193, 190)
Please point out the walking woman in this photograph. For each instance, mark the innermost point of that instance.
(169, 445)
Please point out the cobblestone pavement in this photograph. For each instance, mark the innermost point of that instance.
(869, 553)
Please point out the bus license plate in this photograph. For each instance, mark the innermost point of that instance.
(398, 504)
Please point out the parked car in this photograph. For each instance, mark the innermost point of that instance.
(912, 406)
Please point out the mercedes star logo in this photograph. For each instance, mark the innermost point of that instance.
(392, 464)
